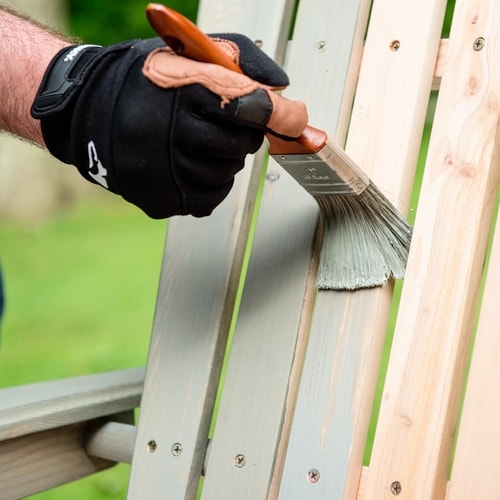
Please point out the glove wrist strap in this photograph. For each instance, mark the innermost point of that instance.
(62, 79)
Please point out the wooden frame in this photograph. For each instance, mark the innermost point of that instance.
(44, 428)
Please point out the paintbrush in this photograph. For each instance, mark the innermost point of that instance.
(365, 239)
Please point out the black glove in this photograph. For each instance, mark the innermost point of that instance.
(168, 151)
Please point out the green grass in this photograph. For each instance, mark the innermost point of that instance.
(81, 290)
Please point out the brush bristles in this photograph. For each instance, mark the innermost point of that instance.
(365, 241)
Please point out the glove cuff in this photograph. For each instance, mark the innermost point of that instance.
(62, 79)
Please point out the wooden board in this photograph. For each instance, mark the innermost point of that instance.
(475, 465)
(36, 407)
(348, 329)
(199, 280)
(278, 286)
(37, 462)
(425, 375)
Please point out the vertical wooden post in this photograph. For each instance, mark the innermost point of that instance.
(475, 466)
(424, 380)
(200, 275)
(278, 298)
(347, 333)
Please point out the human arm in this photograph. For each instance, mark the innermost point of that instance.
(169, 148)
(25, 52)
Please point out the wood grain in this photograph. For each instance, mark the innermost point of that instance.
(348, 329)
(475, 464)
(425, 377)
(199, 280)
(36, 407)
(37, 462)
(278, 298)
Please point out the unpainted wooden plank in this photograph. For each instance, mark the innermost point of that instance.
(333, 410)
(45, 405)
(200, 275)
(475, 463)
(422, 393)
(279, 285)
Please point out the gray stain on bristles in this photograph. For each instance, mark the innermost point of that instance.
(366, 241)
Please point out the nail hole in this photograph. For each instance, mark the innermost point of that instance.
(151, 446)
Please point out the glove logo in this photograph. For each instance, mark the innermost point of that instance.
(95, 164)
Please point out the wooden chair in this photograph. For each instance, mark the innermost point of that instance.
(302, 365)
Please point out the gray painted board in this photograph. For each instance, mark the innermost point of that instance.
(47, 405)
(277, 300)
(199, 279)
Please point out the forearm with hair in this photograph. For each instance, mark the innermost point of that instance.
(26, 49)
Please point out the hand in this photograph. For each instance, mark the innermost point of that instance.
(166, 133)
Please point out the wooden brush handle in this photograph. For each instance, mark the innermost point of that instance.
(186, 39)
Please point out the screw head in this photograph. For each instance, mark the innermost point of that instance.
(479, 43)
(313, 476)
(321, 46)
(395, 45)
(240, 461)
(396, 488)
(151, 446)
(176, 449)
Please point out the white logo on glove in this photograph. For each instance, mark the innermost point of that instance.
(100, 175)
(70, 56)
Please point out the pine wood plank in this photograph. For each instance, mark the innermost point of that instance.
(348, 329)
(475, 464)
(424, 380)
(278, 285)
(198, 284)
(35, 407)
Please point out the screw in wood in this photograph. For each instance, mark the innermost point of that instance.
(395, 45)
(151, 446)
(396, 488)
(240, 461)
(479, 43)
(313, 476)
(321, 46)
(176, 449)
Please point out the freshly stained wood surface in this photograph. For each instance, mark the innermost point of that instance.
(273, 320)
(425, 377)
(46, 405)
(37, 462)
(347, 332)
(200, 274)
(111, 440)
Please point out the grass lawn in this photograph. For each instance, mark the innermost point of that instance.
(81, 292)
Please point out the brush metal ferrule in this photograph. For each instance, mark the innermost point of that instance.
(329, 171)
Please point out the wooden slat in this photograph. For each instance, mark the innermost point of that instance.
(347, 332)
(475, 465)
(46, 405)
(36, 462)
(278, 286)
(424, 380)
(200, 274)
